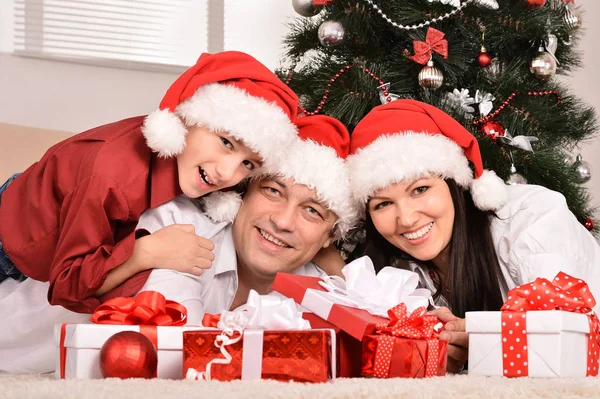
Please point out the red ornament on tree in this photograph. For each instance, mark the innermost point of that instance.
(128, 354)
(493, 129)
(484, 58)
(589, 224)
(536, 3)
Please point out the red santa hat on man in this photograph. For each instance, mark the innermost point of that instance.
(318, 160)
(407, 139)
(228, 91)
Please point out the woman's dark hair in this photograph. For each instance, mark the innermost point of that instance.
(473, 275)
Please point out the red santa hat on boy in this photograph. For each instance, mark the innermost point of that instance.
(318, 160)
(407, 139)
(228, 91)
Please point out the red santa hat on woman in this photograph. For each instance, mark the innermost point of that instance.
(318, 160)
(231, 92)
(405, 140)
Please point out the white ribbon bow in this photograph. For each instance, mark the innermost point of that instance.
(261, 312)
(485, 101)
(522, 142)
(375, 293)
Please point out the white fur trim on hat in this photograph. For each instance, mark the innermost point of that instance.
(262, 125)
(164, 133)
(221, 206)
(395, 158)
(489, 192)
(320, 168)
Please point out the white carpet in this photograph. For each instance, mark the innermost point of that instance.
(463, 386)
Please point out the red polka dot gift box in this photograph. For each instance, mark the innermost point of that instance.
(544, 329)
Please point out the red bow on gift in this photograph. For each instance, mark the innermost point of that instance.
(147, 308)
(566, 293)
(417, 325)
(434, 41)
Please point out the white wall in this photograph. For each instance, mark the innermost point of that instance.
(73, 97)
(586, 84)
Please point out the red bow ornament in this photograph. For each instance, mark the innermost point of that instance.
(434, 42)
(147, 308)
(419, 326)
(565, 293)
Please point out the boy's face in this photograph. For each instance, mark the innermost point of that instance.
(212, 161)
(280, 227)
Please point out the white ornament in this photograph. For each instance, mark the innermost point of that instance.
(382, 97)
(485, 102)
(522, 142)
(461, 100)
(493, 4)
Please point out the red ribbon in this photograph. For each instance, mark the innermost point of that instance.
(322, 2)
(417, 325)
(147, 308)
(434, 41)
(565, 293)
(211, 320)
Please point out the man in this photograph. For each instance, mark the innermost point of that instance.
(285, 219)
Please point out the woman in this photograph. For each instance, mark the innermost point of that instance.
(469, 236)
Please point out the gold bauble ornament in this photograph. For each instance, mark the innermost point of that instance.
(430, 77)
(543, 65)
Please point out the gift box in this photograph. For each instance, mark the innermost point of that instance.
(78, 354)
(300, 356)
(162, 321)
(362, 326)
(522, 340)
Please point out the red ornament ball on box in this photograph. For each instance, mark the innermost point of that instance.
(484, 59)
(536, 3)
(493, 129)
(589, 224)
(128, 354)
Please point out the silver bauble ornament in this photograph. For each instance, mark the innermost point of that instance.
(543, 65)
(430, 77)
(573, 17)
(583, 168)
(331, 33)
(515, 178)
(305, 7)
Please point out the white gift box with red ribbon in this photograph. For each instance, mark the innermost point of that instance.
(544, 329)
(78, 354)
(557, 343)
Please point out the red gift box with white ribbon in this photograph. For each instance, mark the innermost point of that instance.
(544, 329)
(377, 333)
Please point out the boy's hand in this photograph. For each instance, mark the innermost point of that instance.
(458, 339)
(330, 261)
(177, 247)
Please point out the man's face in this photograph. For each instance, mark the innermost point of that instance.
(280, 227)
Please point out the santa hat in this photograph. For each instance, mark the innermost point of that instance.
(406, 140)
(232, 92)
(228, 91)
(318, 160)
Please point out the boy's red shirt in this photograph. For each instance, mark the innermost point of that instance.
(70, 218)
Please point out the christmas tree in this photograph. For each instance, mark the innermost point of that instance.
(491, 64)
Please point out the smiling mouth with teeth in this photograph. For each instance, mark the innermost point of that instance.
(419, 233)
(204, 177)
(272, 239)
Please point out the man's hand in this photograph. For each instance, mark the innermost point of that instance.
(330, 261)
(176, 247)
(458, 339)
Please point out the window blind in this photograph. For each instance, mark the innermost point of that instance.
(146, 33)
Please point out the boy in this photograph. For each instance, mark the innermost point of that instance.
(70, 218)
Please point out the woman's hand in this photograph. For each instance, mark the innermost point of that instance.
(458, 339)
(330, 261)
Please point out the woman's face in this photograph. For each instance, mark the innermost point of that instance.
(416, 216)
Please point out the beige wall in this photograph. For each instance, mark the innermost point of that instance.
(586, 84)
(73, 97)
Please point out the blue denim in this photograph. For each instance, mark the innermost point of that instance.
(7, 267)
